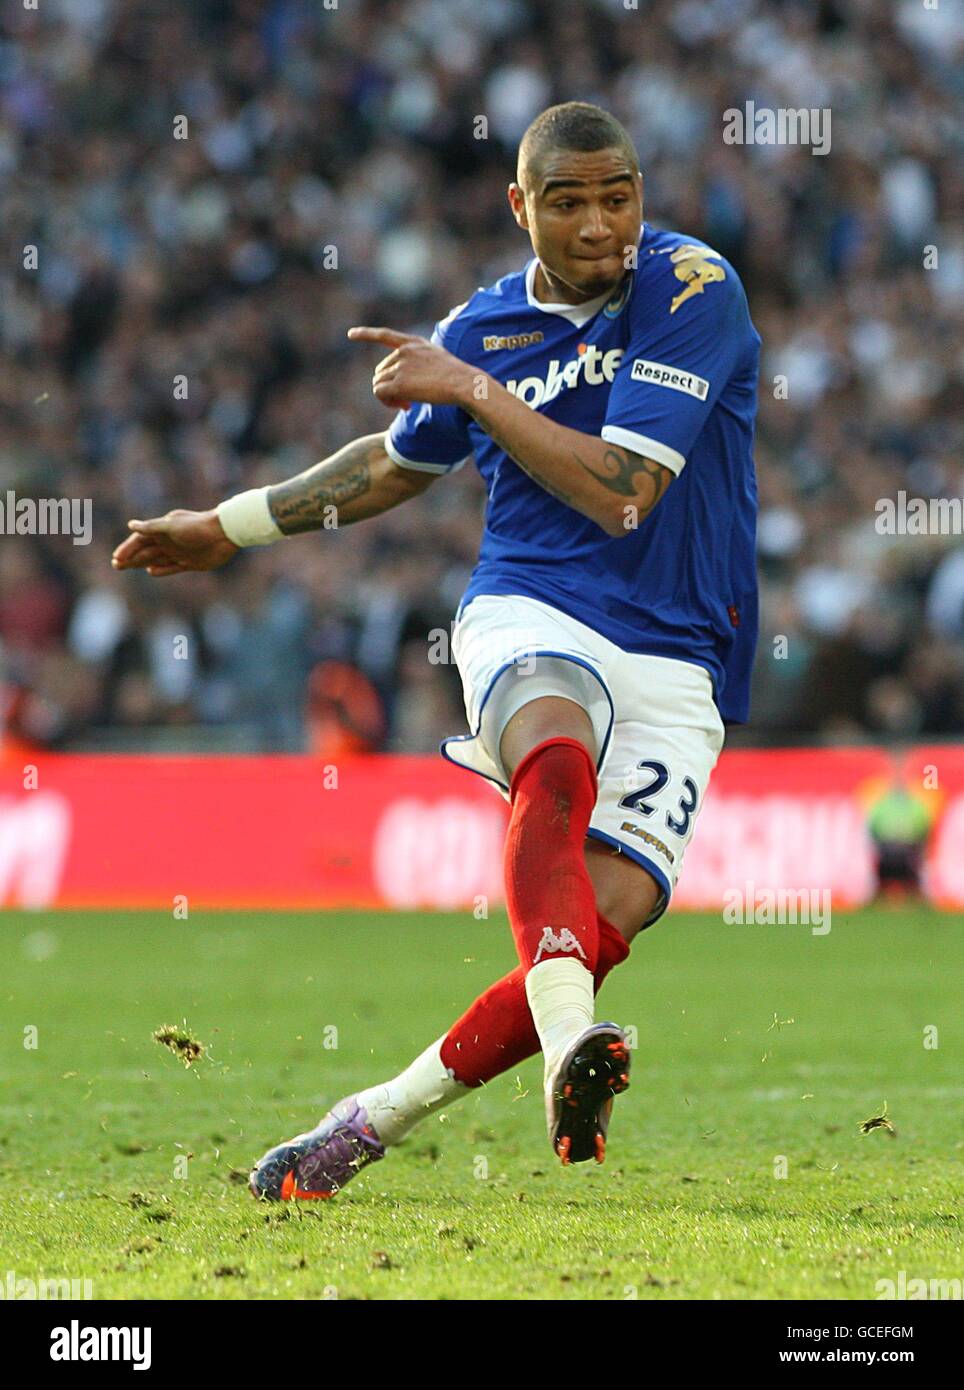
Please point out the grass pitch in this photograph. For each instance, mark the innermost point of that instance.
(761, 1049)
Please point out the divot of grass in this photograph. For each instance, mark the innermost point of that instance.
(179, 1040)
(881, 1121)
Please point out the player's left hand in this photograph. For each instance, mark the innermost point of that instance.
(415, 370)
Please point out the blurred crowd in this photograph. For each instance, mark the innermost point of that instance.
(216, 190)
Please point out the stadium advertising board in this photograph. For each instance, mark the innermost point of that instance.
(289, 832)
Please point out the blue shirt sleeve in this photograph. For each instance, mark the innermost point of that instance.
(689, 330)
(432, 438)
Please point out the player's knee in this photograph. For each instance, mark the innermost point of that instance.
(550, 717)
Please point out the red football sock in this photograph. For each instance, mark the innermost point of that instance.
(548, 891)
(497, 1032)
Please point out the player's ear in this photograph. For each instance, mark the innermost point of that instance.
(517, 202)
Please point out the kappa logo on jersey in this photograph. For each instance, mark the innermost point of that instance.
(590, 365)
(493, 343)
(551, 944)
(658, 374)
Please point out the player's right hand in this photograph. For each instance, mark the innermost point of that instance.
(174, 544)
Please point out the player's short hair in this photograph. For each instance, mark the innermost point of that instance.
(574, 125)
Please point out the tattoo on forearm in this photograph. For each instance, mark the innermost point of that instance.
(620, 472)
(544, 483)
(299, 504)
(622, 468)
(552, 488)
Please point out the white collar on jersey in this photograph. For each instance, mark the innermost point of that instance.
(577, 314)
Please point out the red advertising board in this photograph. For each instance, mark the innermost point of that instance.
(290, 832)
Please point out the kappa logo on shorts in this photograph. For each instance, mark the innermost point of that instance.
(552, 944)
(650, 839)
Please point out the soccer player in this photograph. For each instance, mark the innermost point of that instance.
(607, 392)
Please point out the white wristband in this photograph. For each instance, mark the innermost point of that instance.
(246, 518)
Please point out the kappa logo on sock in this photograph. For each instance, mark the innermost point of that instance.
(553, 944)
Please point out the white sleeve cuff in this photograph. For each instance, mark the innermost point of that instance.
(246, 518)
(642, 444)
(403, 462)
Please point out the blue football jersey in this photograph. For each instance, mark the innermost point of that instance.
(667, 367)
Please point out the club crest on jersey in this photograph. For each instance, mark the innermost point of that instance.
(590, 365)
(553, 943)
(616, 305)
(696, 267)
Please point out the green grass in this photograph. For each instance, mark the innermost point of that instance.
(754, 1042)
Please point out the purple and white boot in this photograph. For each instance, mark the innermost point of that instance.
(319, 1164)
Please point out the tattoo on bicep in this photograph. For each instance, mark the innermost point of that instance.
(622, 468)
(299, 504)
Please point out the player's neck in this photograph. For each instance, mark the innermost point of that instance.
(555, 292)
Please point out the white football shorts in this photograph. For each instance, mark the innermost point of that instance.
(658, 731)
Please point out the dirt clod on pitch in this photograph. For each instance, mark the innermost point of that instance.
(881, 1121)
(180, 1042)
(141, 1245)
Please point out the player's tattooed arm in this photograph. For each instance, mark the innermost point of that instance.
(359, 481)
(552, 488)
(614, 487)
(620, 471)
